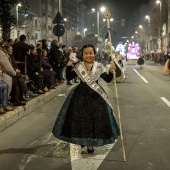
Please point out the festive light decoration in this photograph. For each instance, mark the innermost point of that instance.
(133, 51)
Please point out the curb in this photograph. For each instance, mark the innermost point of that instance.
(19, 112)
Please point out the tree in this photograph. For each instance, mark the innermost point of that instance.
(7, 18)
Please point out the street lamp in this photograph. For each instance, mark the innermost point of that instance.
(160, 7)
(140, 26)
(65, 20)
(85, 29)
(148, 18)
(148, 43)
(18, 5)
(102, 9)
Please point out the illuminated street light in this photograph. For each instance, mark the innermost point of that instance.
(148, 18)
(102, 9)
(65, 20)
(111, 19)
(85, 29)
(93, 9)
(158, 1)
(140, 26)
(148, 40)
(160, 7)
(18, 5)
(136, 32)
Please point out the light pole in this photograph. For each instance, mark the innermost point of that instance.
(142, 38)
(148, 43)
(148, 19)
(18, 5)
(140, 26)
(85, 29)
(102, 9)
(160, 15)
(65, 20)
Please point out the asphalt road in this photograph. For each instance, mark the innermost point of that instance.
(144, 102)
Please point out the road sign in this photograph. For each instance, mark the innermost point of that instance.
(58, 19)
(58, 30)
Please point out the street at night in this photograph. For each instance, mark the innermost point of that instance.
(85, 85)
(144, 101)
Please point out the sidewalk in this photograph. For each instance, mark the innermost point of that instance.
(11, 117)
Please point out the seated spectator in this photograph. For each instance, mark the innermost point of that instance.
(10, 41)
(35, 71)
(18, 84)
(48, 70)
(7, 72)
(20, 81)
(39, 50)
(4, 97)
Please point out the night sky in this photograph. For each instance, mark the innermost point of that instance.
(119, 9)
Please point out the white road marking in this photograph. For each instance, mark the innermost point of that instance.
(140, 76)
(61, 95)
(166, 101)
(80, 159)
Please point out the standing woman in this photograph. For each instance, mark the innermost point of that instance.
(86, 117)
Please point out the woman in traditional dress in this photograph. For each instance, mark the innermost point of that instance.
(141, 61)
(166, 68)
(86, 117)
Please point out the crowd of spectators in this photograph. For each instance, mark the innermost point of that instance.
(32, 70)
(28, 70)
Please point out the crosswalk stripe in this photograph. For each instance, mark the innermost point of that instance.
(80, 159)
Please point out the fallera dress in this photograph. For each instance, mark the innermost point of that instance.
(85, 117)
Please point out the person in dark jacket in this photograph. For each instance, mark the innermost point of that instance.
(18, 51)
(55, 59)
(19, 80)
(48, 70)
(35, 71)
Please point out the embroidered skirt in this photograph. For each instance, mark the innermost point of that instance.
(86, 119)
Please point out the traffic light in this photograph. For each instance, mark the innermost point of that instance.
(26, 14)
